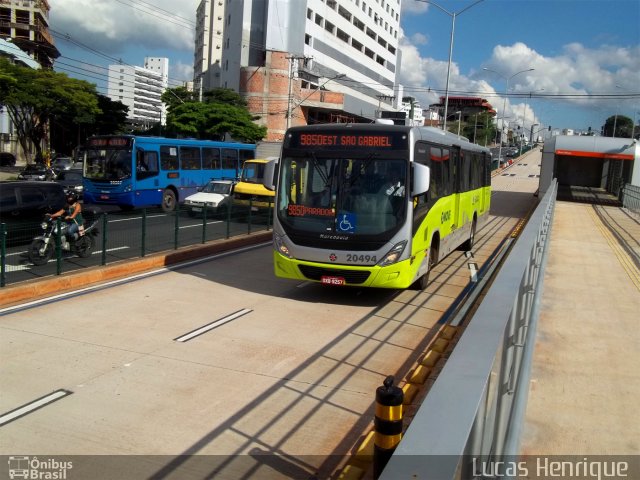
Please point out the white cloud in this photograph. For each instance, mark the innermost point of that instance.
(414, 6)
(577, 70)
(110, 27)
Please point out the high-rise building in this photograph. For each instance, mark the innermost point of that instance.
(25, 39)
(26, 23)
(307, 62)
(140, 89)
(208, 45)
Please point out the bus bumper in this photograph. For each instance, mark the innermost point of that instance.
(398, 275)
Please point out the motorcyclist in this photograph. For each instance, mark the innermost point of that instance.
(72, 215)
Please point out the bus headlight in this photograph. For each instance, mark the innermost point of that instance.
(280, 246)
(394, 254)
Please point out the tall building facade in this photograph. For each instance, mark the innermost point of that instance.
(24, 39)
(26, 23)
(208, 44)
(307, 62)
(140, 89)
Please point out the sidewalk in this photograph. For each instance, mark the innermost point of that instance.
(585, 379)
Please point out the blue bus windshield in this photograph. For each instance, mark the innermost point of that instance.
(108, 164)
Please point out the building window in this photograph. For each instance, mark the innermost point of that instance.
(329, 27)
(318, 20)
(343, 36)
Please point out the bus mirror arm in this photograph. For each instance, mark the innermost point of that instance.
(269, 179)
(421, 178)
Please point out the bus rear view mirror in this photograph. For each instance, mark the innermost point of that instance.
(270, 170)
(421, 178)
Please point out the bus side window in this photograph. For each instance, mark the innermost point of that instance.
(210, 158)
(190, 158)
(146, 164)
(169, 158)
(230, 160)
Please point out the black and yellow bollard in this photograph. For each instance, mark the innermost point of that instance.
(387, 424)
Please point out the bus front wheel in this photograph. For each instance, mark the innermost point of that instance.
(169, 200)
(422, 282)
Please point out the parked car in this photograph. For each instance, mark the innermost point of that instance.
(214, 196)
(23, 205)
(71, 180)
(37, 171)
(7, 159)
(62, 163)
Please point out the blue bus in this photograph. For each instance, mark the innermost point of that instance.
(133, 171)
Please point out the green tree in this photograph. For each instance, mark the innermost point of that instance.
(479, 129)
(40, 96)
(175, 96)
(222, 114)
(67, 132)
(623, 126)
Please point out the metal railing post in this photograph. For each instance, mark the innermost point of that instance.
(144, 232)
(204, 223)
(3, 254)
(58, 246)
(249, 218)
(228, 219)
(104, 239)
(176, 227)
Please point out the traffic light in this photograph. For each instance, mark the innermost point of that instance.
(549, 127)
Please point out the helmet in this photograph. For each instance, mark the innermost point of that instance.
(72, 197)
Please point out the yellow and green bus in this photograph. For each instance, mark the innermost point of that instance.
(375, 205)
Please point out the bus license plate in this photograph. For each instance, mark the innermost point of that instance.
(197, 209)
(104, 197)
(332, 280)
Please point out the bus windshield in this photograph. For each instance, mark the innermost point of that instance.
(350, 196)
(107, 163)
(252, 172)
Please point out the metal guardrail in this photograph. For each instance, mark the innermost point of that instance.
(474, 411)
(631, 197)
(156, 232)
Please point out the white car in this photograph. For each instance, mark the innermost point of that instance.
(215, 196)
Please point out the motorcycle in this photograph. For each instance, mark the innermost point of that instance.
(43, 247)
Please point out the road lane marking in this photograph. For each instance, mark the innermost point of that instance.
(33, 406)
(204, 329)
(18, 268)
(473, 271)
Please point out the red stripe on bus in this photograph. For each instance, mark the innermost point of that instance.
(579, 153)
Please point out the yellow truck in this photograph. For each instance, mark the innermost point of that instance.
(250, 191)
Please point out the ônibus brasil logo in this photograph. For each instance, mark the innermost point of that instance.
(35, 468)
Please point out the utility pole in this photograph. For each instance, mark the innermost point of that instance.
(291, 59)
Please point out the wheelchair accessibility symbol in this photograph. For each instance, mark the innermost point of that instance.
(346, 222)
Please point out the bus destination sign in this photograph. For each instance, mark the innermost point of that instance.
(392, 141)
(109, 141)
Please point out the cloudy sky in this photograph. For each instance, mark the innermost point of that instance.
(585, 53)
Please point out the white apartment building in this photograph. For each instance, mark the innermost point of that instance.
(348, 47)
(140, 89)
(208, 45)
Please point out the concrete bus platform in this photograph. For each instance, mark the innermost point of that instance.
(585, 378)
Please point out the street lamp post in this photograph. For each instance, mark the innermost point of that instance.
(504, 102)
(459, 113)
(453, 16)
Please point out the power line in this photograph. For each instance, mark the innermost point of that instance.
(163, 16)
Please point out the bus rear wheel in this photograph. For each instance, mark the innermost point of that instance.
(468, 244)
(168, 200)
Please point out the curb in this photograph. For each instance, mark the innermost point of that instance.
(37, 289)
